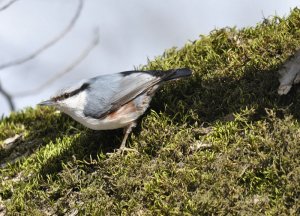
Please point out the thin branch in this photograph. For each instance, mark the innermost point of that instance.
(8, 98)
(49, 44)
(7, 5)
(69, 68)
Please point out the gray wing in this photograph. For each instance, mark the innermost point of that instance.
(108, 92)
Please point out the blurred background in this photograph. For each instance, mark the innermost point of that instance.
(130, 32)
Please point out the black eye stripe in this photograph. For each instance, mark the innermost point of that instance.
(72, 93)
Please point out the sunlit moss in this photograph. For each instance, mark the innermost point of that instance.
(221, 142)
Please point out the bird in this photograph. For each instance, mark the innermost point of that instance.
(113, 101)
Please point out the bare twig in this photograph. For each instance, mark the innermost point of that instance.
(49, 44)
(2, 8)
(289, 74)
(8, 98)
(69, 68)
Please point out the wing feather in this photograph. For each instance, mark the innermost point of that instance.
(109, 92)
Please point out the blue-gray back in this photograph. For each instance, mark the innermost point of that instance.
(109, 92)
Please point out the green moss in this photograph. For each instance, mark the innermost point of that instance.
(222, 142)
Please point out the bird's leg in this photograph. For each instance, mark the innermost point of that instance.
(127, 131)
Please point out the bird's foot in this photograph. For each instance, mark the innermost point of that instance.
(121, 151)
(284, 89)
(125, 149)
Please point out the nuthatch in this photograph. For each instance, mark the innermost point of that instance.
(112, 101)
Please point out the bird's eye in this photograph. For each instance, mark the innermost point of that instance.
(70, 94)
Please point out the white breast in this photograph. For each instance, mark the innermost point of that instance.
(118, 119)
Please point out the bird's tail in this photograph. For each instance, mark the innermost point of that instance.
(177, 73)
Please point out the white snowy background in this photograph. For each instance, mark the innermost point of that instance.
(130, 32)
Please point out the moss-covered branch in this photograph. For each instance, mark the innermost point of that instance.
(222, 142)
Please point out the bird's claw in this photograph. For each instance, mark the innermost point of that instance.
(121, 151)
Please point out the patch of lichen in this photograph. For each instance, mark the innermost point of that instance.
(221, 142)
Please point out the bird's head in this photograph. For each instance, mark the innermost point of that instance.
(69, 99)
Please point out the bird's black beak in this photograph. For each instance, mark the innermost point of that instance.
(47, 103)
